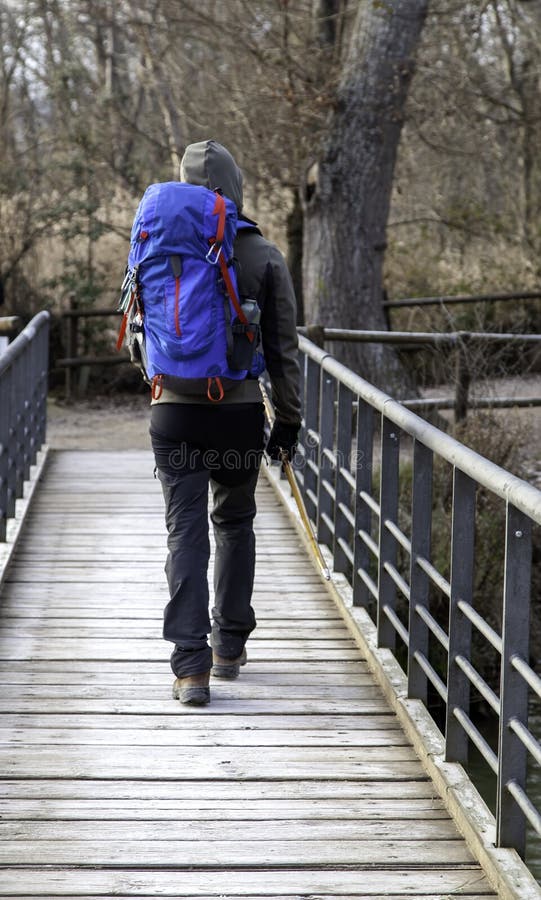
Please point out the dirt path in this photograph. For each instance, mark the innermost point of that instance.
(121, 423)
(102, 423)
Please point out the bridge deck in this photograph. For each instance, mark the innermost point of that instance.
(295, 781)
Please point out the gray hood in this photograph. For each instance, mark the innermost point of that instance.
(209, 164)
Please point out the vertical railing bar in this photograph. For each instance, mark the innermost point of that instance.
(18, 419)
(311, 407)
(326, 469)
(362, 470)
(29, 387)
(34, 398)
(462, 582)
(11, 445)
(421, 533)
(342, 528)
(5, 415)
(388, 551)
(512, 754)
(44, 367)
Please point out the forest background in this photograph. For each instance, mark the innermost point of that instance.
(98, 99)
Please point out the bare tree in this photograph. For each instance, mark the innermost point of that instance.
(348, 187)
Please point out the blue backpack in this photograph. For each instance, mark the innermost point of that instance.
(185, 324)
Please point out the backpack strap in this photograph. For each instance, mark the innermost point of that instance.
(176, 266)
(219, 210)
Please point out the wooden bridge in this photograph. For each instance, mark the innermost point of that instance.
(319, 773)
(296, 781)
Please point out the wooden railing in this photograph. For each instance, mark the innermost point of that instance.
(460, 342)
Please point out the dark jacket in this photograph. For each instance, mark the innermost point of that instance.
(262, 275)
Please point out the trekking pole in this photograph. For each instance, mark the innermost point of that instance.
(287, 468)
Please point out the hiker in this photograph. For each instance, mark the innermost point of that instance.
(218, 438)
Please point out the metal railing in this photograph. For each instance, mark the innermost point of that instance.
(23, 394)
(354, 492)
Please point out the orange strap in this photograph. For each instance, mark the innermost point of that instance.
(157, 387)
(219, 210)
(124, 324)
(232, 295)
(218, 382)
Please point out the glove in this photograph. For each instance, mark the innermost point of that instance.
(282, 439)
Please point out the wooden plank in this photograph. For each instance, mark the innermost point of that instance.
(199, 737)
(369, 810)
(107, 676)
(99, 761)
(245, 689)
(343, 671)
(275, 896)
(336, 724)
(221, 705)
(67, 648)
(188, 829)
(250, 677)
(188, 853)
(123, 628)
(14, 609)
(179, 791)
(432, 883)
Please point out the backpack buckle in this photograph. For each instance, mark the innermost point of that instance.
(216, 249)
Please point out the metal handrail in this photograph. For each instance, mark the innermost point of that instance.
(23, 396)
(369, 546)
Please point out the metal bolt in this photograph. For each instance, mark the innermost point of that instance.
(518, 534)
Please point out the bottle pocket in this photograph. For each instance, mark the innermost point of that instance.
(244, 337)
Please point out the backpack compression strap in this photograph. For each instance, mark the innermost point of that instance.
(219, 210)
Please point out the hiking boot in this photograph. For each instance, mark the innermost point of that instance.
(227, 668)
(193, 689)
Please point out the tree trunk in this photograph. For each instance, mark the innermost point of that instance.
(348, 190)
(294, 228)
(528, 86)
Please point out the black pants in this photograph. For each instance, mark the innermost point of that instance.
(195, 445)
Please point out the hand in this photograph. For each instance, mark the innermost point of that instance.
(282, 440)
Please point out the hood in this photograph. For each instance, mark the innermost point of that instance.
(209, 164)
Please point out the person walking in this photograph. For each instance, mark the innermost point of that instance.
(197, 441)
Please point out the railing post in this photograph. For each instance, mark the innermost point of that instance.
(27, 387)
(390, 453)
(325, 500)
(311, 436)
(41, 374)
(512, 754)
(342, 528)
(11, 445)
(363, 517)
(462, 581)
(5, 429)
(18, 425)
(421, 532)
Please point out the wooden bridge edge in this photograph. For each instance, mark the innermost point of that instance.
(15, 525)
(504, 868)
